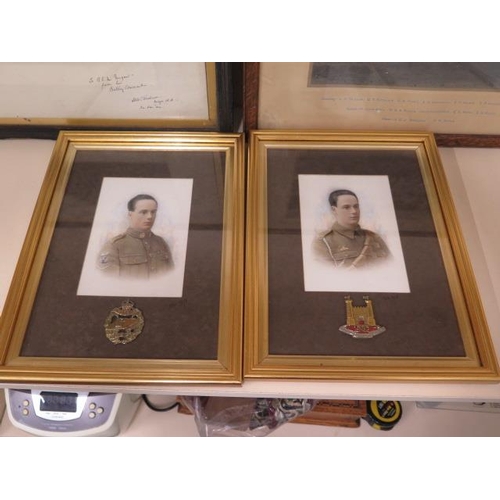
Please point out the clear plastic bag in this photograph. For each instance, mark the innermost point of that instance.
(244, 417)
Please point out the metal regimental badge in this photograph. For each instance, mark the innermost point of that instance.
(360, 320)
(124, 324)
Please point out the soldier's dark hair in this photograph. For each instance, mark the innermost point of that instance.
(334, 196)
(131, 204)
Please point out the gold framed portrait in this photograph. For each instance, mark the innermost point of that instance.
(132, 267)
(356, 267)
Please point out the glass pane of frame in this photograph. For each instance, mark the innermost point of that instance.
(356, 266)
(132, 269)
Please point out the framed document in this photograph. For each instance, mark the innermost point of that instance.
(132, 268)
(458, 101)
(356, 268)
(39, 99)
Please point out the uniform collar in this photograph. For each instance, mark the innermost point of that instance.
(135, 233)
(344, 231)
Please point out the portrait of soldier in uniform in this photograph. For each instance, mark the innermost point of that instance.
(346, 244)
(349, 234)
(137, 252)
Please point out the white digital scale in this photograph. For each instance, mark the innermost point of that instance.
(70, 413)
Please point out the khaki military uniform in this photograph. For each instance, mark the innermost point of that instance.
(350, 248)
(135, 254)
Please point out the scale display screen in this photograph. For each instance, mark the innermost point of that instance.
(58, 401)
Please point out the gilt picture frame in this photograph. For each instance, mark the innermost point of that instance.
(363, 317)
(174, 310)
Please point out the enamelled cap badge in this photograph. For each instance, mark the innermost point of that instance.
(124, 324)
(360, 320)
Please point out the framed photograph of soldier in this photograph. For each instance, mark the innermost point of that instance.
(132, 268)
(137, 245)
(348, 222)
(356, 267)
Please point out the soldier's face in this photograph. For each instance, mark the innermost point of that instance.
(144, 215)
(347, 211)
